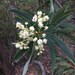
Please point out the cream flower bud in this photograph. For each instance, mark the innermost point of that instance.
(19, 25)
(45, 41)
(21, 47)
(32, 28)
(17, 45)
(24, 34)
(38, 54)
(35, 39)
(43, 35)
(39, 12)
(40, 42)
(35, 18)
(46, 27)
(46, 18)
(40, 20)
(36, 47)
(26, 23)
(40, 24)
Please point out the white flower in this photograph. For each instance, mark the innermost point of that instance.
(40, 24)
(24, 34)
(26, 23)
(19, 25)
(40, 20)
(46, 27)
(39, 13)
(30, 38)
(36, 47)
(40, 42)
(17, 45)
(35, 18)
(43, 35)
(32, 28)
(38, 54)
(46, 18)
(21, 47)
(35, 39)
(45, 41)
(31, 33)
(26, 47)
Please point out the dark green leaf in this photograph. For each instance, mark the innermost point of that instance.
(51, 46)
(65, 24)
(58, 14)
(67, 33)
(23, 14)
(63, 47)
(19, 55)
(31, 49)
(26, 67)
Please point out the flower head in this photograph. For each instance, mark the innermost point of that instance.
(39, 13)
(24, 34)
(35, 39)
(35, 18)
(19, 25)
(46, 18)
(43, 35)
(46, 27)
(40, 42)
(26, 23)
(33, 33)
(45, 41)
(32, 28)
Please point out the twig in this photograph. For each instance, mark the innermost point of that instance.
(58, 3)
(41, 66)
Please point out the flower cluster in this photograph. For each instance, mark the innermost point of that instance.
(28, 34)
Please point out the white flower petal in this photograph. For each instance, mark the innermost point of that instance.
(40, 24)
(43, 35)
(26, 23)
(32, 28)
(35, 39)
(45, 41)
(46, 27)
(40, 42)
(19, 25)
(34, 19)
(39, 12)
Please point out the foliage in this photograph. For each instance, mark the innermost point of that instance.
(56, 26)
(64, 67)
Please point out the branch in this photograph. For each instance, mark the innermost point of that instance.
(58, 3)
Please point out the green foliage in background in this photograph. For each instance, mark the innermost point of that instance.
(64, 67)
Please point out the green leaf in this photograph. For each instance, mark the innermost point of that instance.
(65, 30)
(67, 33)
(70, 36)
(60, 71)
(26, 66)
(19, 55)
(27, 63)
(51, 46)
(23, 14)
(63, 47)
(65, 24)
(68, 71)
(58, 14)
(21, 20)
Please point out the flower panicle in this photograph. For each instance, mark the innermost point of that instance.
(28, 34)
